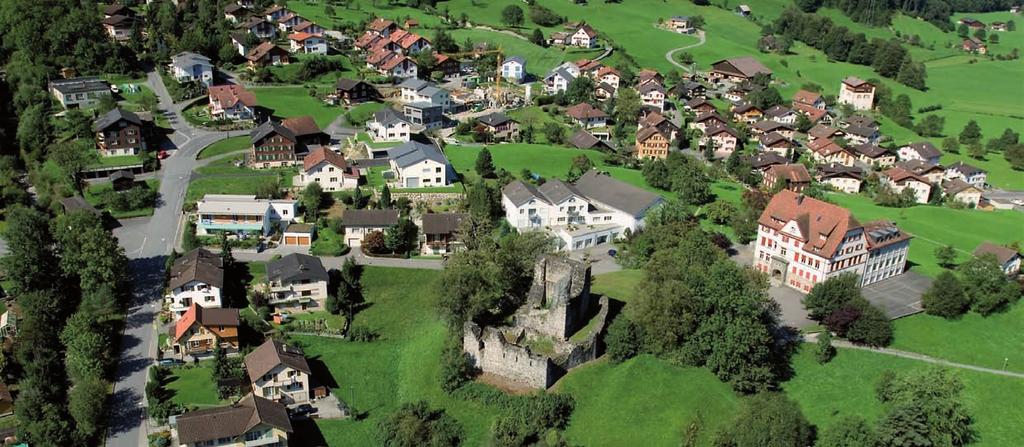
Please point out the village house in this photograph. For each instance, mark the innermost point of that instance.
(119, 132)
(604, 92)
(808, 99)
(791, 176)
(279, 372)
(355, 91)
(231, 102)
(700, 106)
(858, 93)
(737, 70)
(1008, 258)
(861, 135)
(259, 27)
(440, 233)
(514, 69)
(655, 119)
(192, 67)
(583, 37)
(934, 173)
(252, 421)
(681, 24)
(708, 120)
(234, 12)
(972, 175)
(558, 79)
(419, 91)
(974, 45)
(973, 24)
(802, 241)
(288, 21)
(764, 160)
(595, 209)
(737, 93)
(79, 92)
(296, 283)
(924, 151)
(201, 329)
(609, 76)
(586, 140)
(276, 12)
(382, 27)
(899, 179)
(743, 10)
(825, 151)
(392, 64)
(423, 114)
(241, 42)
(821, 131)
(447, 65)
(267, 54)
(960, 191)
(306, 43)
(117, 9)
(242, 214)
(404, 42)
(815, 116)
(766, 126)
(388, 125)
(999, 26)
(747, 113)
(652, 95)
(328, 169)
(359, 223)
(283, 144)
(780, 114)
(586, 115)
(840, 177)
(119, 27)
(687, 90)
(724, 139)
(874, 156)
(197, 277)
(309, 28)
(558, 38)
(777, 143)
(419, 165)
(501, 127)
(652, 142)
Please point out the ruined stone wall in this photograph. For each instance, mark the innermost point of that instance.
(492, 354)
(590, 348)
(559, 298)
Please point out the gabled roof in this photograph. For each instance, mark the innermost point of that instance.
(519, 192)
(697, 102)
(924, 149)
(205, 317)
(898, 174)
(586, 29)
(370, 218)
(303, 26)
(495, 119)
(656, 119)
(302, 36)
(116, 9)
(442, 223)
(794, 172)
(716, 130)
(822, 225)
(601, 187)
(855, 82)
(268, 128)
(380, 24)
(860, 131)
(965, 168)
(709, 116)
(188, 59)
(806, 97)
(956, 186)
(118, 20)
(763, 160)
(869, 150)
(197, 265)
(861, 120)
(515, 59)
(345, 84)
(778, 111)
(747, 107)
(585, 111)
(323, 154)
(1002, 254)
(231, 421)
(301, 126)
(412, 152)
(825, 147)
(769, 126)
(231, 94)
(388, 116)
(772, 138)
(832, 170)
(585, 140)
(272, 353)
(746, 66)
(113, 117)
(296, 267)
(648, 132)
(395, 61)
(823, 131)
(920, 167)
(262, 50)
(557, 191)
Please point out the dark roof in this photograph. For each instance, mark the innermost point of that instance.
(114, 116)
(1002, 254)
(794, 172)
(762, 160)
(881, 233)
(747, 66)
(272, 353)
(442, 223)
(557, 191)
(925, 149)
(956, 186)
(620, 195)
(965, 169)
(370, 218)
(585, 140)
(296, 267)
(348, 84)
(861, 131)
(77, 203)
(494, 119)
(773, 137)
(861, 120)
(80, 85)
(869, 150)
(412, 152)
(519, 192)
(122, 174)
(301, 125)
(387, 115)
(267, 128)
(197, 265)
(839, 170)
(232, 420)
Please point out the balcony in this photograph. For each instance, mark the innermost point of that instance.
(265, 440)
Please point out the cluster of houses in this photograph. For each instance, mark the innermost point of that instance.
(304, 36)
(578, 35)
(973, 44)
(389, 48)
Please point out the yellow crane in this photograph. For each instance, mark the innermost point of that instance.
(497, 68)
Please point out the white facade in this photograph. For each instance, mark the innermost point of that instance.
(298, 296)
(921, 189)
(330, 177)
(885, 262)
(354, 234)
(976, 179)
(393, 131)
(513, 70)
(242, 214)
(192, 69)
(654, 98)
(848, 185)
(193, 292)
(860, 98)
(780, 254)
(430, 94)
(426, 173)
(283, 384)
(581, 39)
(309, 45)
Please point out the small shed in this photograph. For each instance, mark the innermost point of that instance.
(298, 235)
(122, 180)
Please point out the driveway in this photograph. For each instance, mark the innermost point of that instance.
(899, 296)
(335, 262)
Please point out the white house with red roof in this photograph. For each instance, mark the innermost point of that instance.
(328, 169)
(232, 102)
(584, 37)
(301, 42)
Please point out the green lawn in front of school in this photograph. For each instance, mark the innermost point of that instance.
(289, 102)
(225, 146)
(994, 341)
(934, 227)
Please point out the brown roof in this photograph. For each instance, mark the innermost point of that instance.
(197, 265)
(812, 113)
(715, 130)
(583, 111)
(794, 172)
(1002, 254)
(708, 116)
(744, 66)
(806, 97)
(823, 131)
(205, 317)
(272, 353)
(772, 138)
(898, 174)
(300, 36)
(881, 233)
(302, 26)
(262, 50)
(763, 160)
(229, 95)
(920, 167)
(648, 132)
(588, 30)
(855, 82)
(301, 125)
(925, 149)
(956, 186)
(323, 154)
(585, 140)
(232, 420)
(832, 170)
(822, 225)
(824, 146)
(370, 218)
(869, 150)
(394, 61)
(380, 24)
(442, 223)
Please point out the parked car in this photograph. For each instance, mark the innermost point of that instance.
(169, 362)
(303, 410)
(162, 155)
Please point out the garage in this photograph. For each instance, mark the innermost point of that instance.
(412, 182)
(299, 235)
(296, 240)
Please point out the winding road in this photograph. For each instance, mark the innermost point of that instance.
(668, 56)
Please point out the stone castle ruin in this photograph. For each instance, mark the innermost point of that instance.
(558, 328)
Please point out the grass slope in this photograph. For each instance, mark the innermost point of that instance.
(983, 341)
(620, 285)
(226, 146)
(288, 102)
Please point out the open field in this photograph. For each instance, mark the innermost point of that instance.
(226, 146)
(539, 60)
(288, 102)
(984, 341)
(935, 227)
(94, 194)
(620, 285)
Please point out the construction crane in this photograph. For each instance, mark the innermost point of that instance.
(497, 68)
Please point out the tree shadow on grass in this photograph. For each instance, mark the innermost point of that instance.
(306, 433)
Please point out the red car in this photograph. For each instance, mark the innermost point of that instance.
(162, 155)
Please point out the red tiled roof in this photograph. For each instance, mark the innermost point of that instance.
(321, 154)
(898, 174)
(229, 95)
(584, 111)
(824, 147)
(300, 37)
(394, 62)
(823, 225)
(380, 24)
(205, 317)
(301, 125)
(806, 97)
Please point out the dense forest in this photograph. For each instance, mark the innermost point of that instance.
(880, 12)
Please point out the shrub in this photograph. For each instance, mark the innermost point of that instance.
(873, 328)
(624, 340)
(946, 297)
(362, 333)
(825, 351)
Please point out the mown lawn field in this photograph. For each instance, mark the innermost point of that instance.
(225, 146)
(539, 60)
(94, 194)
(193, 385)
(994, 341)
(935, 227)
(620, 285)
(288, 102)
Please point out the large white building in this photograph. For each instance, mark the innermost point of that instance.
(239, 213)
(329, 169)
(857, 93)
(189, 67)
(593, 210)
(419, 165)
(803, 241)
(388, 125)
(196, 278)
(419, 91)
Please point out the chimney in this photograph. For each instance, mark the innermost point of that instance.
(799, 199)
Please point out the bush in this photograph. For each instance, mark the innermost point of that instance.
(825, 351)
(946, 297)
(624, 340)
(873, 328)
(362, 333)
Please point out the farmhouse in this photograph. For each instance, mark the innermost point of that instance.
(857, 93)
(328, 169)
(780, 114)
(700, 106)
(900, 179)
(235, 12)
(688, 90)
(708, 120)
(359, 223)
(723, 138)
(419, 165)
(652, 95)
(808, 99)
(585, 140)
(447, 65)
(861, 135)
(974, 45)
(652, 142)
(747, 113)
(241, 214)
(278, 372)
(791, 176)
(775, 142)
(296, 283)
(79, 92)
(119, 132)
(874, 156)
(593, 210)
(681, 24)
(267, 54)
(765, 127)
(655, 119)
(355, 91)
(583, 37)
(934, 173)
(119, 27)
(231, 102)
(802, 241)
(737, 70)
(197, 277)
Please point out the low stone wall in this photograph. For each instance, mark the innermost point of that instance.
(493, 354)
(428, 197)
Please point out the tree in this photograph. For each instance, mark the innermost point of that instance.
(85, 347)
(580, 89)
(912, 74)
(554, 132)
(872, 328)
(512, 15)
(484, 164)
(993, 39)
(946, 256)
(987, 288)
(930, 126)
(627, 106)
(720, 212)
(373, 243)
(537, 38)
(951, 145)
(831, 295)
(1015, 156)
(657, 174)
(971, 133)
(924, 404)
(189, 240)
(963, 30)
(768, 420)
(945, 297)
(385, 197)
(580, 165)
(976, 151)
(86, 406)
(312, 199)
(624, 340)
(765, 98)
(416, 424)
(848, 431)
(905, 425)
(30, 263)
(824, 351)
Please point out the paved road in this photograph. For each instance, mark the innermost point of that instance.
(668, 55)
(335, 262)
(147, 241)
